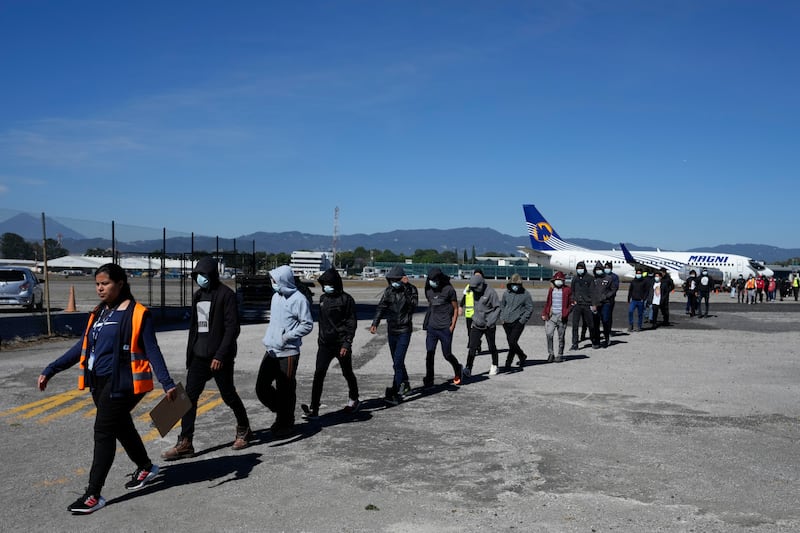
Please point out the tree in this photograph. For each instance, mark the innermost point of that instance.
(448, 257)
(465, 261)
(388, 256)
(14, 246)
(473, 255)
(98, 252)
(345, 260)
(54, 249)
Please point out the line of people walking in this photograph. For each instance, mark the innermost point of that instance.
(118, 352)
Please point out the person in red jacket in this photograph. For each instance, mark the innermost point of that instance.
(555, 314)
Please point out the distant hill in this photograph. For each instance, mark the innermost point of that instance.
(398, 241)
(30, 228)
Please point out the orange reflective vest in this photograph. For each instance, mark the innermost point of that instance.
(141, 372)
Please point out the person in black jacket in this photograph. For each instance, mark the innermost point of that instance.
(637, 295)
(584, 309)
(605, 292)
(667, 286)
(337, 328)
(397, 305)
(704, 286)
(210, 352)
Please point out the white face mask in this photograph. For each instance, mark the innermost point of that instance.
(433, 284)
(203, 281)
(581, 271)
(658, 278)
(558, 283)
(275, 287)
(328, 289)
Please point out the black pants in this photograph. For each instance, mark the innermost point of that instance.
(469, 328)
(513, 333)
(281, 398)
(701, 297)
(113, 423)
(445, 338)
(325, 354)
(196, 378)
(583, 312)
(664, 308)
(475, 336)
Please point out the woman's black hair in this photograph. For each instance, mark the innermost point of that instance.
(116, 273)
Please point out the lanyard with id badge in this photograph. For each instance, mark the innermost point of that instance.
(97, 327)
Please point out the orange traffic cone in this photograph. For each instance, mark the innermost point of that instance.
(71, 303)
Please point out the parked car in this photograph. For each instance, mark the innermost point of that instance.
(19, 286)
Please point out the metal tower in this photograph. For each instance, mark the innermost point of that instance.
(335, 235)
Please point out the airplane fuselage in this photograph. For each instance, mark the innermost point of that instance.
(677, 263)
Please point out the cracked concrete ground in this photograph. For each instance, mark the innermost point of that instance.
(688, 428)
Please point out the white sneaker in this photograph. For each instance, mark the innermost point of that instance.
(493, 370)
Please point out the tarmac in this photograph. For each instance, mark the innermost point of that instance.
(692, 427)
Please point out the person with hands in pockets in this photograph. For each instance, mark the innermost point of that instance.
(290, 321)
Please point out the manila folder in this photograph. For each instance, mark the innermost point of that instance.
(167, 412)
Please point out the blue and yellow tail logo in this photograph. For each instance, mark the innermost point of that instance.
(540, 232)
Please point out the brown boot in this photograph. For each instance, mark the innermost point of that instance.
(181, 450)
(243, 437)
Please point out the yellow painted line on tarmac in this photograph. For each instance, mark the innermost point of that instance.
(38, 407)
(75, 407)
(61, 480)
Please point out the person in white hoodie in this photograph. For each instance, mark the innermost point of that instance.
(290, 321)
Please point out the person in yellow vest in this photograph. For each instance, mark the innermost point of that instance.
(114, 356)
(467, 307)
(796, 285)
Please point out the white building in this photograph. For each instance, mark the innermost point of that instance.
(310, 264)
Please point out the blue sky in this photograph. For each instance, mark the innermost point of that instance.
(671, 124)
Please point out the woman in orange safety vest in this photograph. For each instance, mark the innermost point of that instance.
(114, 358)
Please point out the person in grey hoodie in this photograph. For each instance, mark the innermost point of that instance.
(484, 322)
(290, 321)
(516, 307)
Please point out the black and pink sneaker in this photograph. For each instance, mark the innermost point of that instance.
(88, 503)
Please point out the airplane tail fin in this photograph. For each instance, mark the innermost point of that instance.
(543, 237)
(627, 254)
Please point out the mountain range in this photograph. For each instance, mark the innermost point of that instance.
(399, 241)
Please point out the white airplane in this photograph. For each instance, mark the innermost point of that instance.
(548, 249)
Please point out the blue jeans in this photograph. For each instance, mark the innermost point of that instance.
(639, 306)
(398, 346)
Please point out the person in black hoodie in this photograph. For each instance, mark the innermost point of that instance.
(210, 352)
(584, 309)
(638, 294)
(440, 322)
(397, 305)
(337, 327)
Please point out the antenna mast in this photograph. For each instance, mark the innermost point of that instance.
(335, 234)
